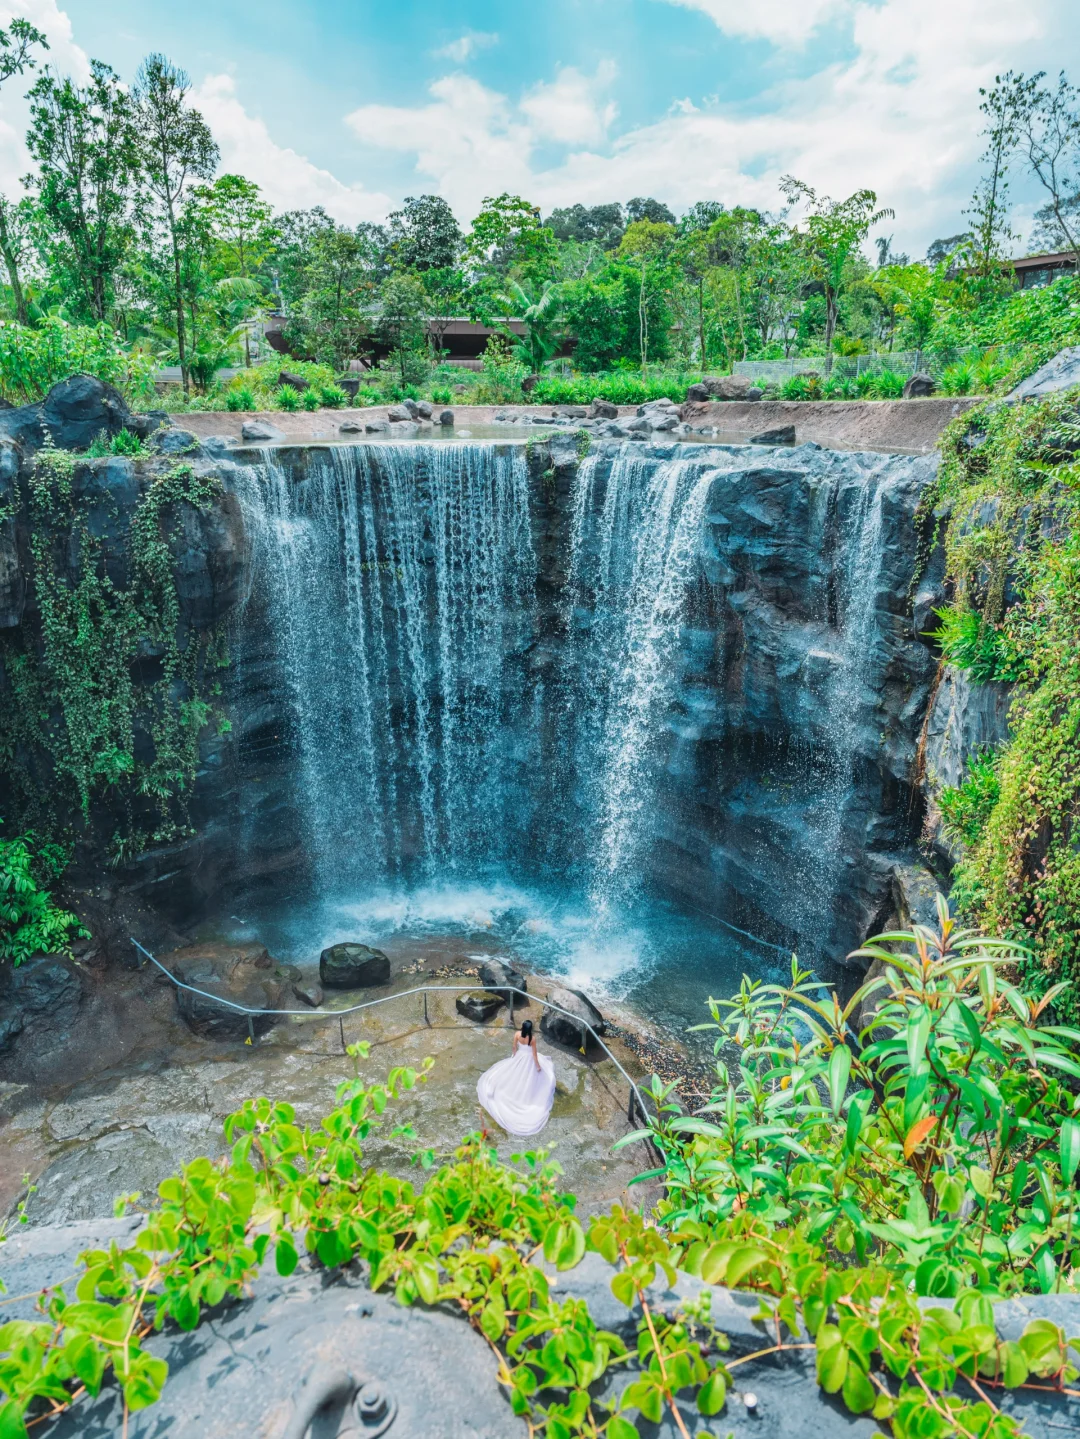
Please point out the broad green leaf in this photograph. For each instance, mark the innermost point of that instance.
(12, 1425)
(712, 1394)
(918, 1032)
(285, 1255)
(1069, 1144)
(832, 1358)
(620, 1428)
(858, 1393)
(1014, 1366)
(839, 1070)
(744, 1259)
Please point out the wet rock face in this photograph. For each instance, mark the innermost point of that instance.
(43, 994)
(963, 719)
(73, 414)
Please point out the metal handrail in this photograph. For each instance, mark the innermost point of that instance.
(424, 989)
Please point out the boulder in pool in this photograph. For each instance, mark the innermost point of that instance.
(571, 1028)
(353, 966)
(478, 1005)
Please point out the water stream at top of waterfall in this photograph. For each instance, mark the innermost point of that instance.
(447, 782)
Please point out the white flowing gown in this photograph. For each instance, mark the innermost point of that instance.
(516, 1094)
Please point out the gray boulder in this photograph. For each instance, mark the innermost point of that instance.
(241, 974)
(446, 417)
(753, 393)
(477, 1005)
(352, 427)
(571, 412)
(920, 387)
(412, 408)
(397, 413)
(603, 410)
(172, 441)
(256, 430)
(296, 382)
(402, 429)
(353, 966)
(74, 413)
(637, 426)
(529, 383)
(377, 427)
(781, 435)
(1060, 373)
(697, 394)
(571, 1028)
(727, 387)
(663, 420)
(500, 978)
(424, 410)
(309, 994)
(12, 582)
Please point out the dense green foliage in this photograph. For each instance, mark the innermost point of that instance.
(127, 233)
(76, 703)
(30, 923)
(33, 360)
(838, 1184)
(1012, 487)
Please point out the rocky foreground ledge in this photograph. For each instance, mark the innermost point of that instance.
(260, 1366)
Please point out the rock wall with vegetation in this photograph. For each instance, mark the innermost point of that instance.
(1008, 503)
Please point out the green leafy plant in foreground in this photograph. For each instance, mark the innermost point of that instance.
(831, 1183)
(30, 923)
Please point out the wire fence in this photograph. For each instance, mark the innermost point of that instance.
(899, 362)
(636, 1102)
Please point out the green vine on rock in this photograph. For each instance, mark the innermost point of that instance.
(1011, 478)
(83, 722)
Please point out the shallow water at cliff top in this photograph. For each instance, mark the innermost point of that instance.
(649, 955)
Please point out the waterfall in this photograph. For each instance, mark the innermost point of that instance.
(398, 584)
(637, 566)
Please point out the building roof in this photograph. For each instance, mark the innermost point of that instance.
(1044, 262)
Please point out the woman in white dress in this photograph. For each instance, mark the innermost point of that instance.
(518, 1092)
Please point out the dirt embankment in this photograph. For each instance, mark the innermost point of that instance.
(857, 424)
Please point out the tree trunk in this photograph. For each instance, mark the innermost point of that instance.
(701, 323)
(14, 280)
(643, 326)
(181, 337)
(830, 327)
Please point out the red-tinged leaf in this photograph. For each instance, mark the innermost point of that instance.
(917, 1133)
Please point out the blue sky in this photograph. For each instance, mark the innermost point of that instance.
(354, 105)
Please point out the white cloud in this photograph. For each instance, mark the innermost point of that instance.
(784, 22)
(289, 180)
(466, 46)
(568, 110)
(901, 115)
(63, 55)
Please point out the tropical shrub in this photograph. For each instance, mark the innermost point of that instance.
(311, 399)
(285, 398)
(966, 808)
(30, 923)
(241, 399)
(837, 1184)
(333, 397)
(33, 360)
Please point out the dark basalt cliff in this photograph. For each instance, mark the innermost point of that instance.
(739, 721)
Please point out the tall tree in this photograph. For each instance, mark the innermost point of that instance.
(833, 234)
(1050, 137)
(177, 149)
(242, 239)
(424, 235)
(16, 57)
(647, 245)
(16, 242)
(86, 145)
(991, 232)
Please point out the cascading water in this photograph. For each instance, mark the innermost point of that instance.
(495, 704)
(399, 594)
(637, 568)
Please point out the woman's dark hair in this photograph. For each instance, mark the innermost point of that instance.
(526, 1029)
